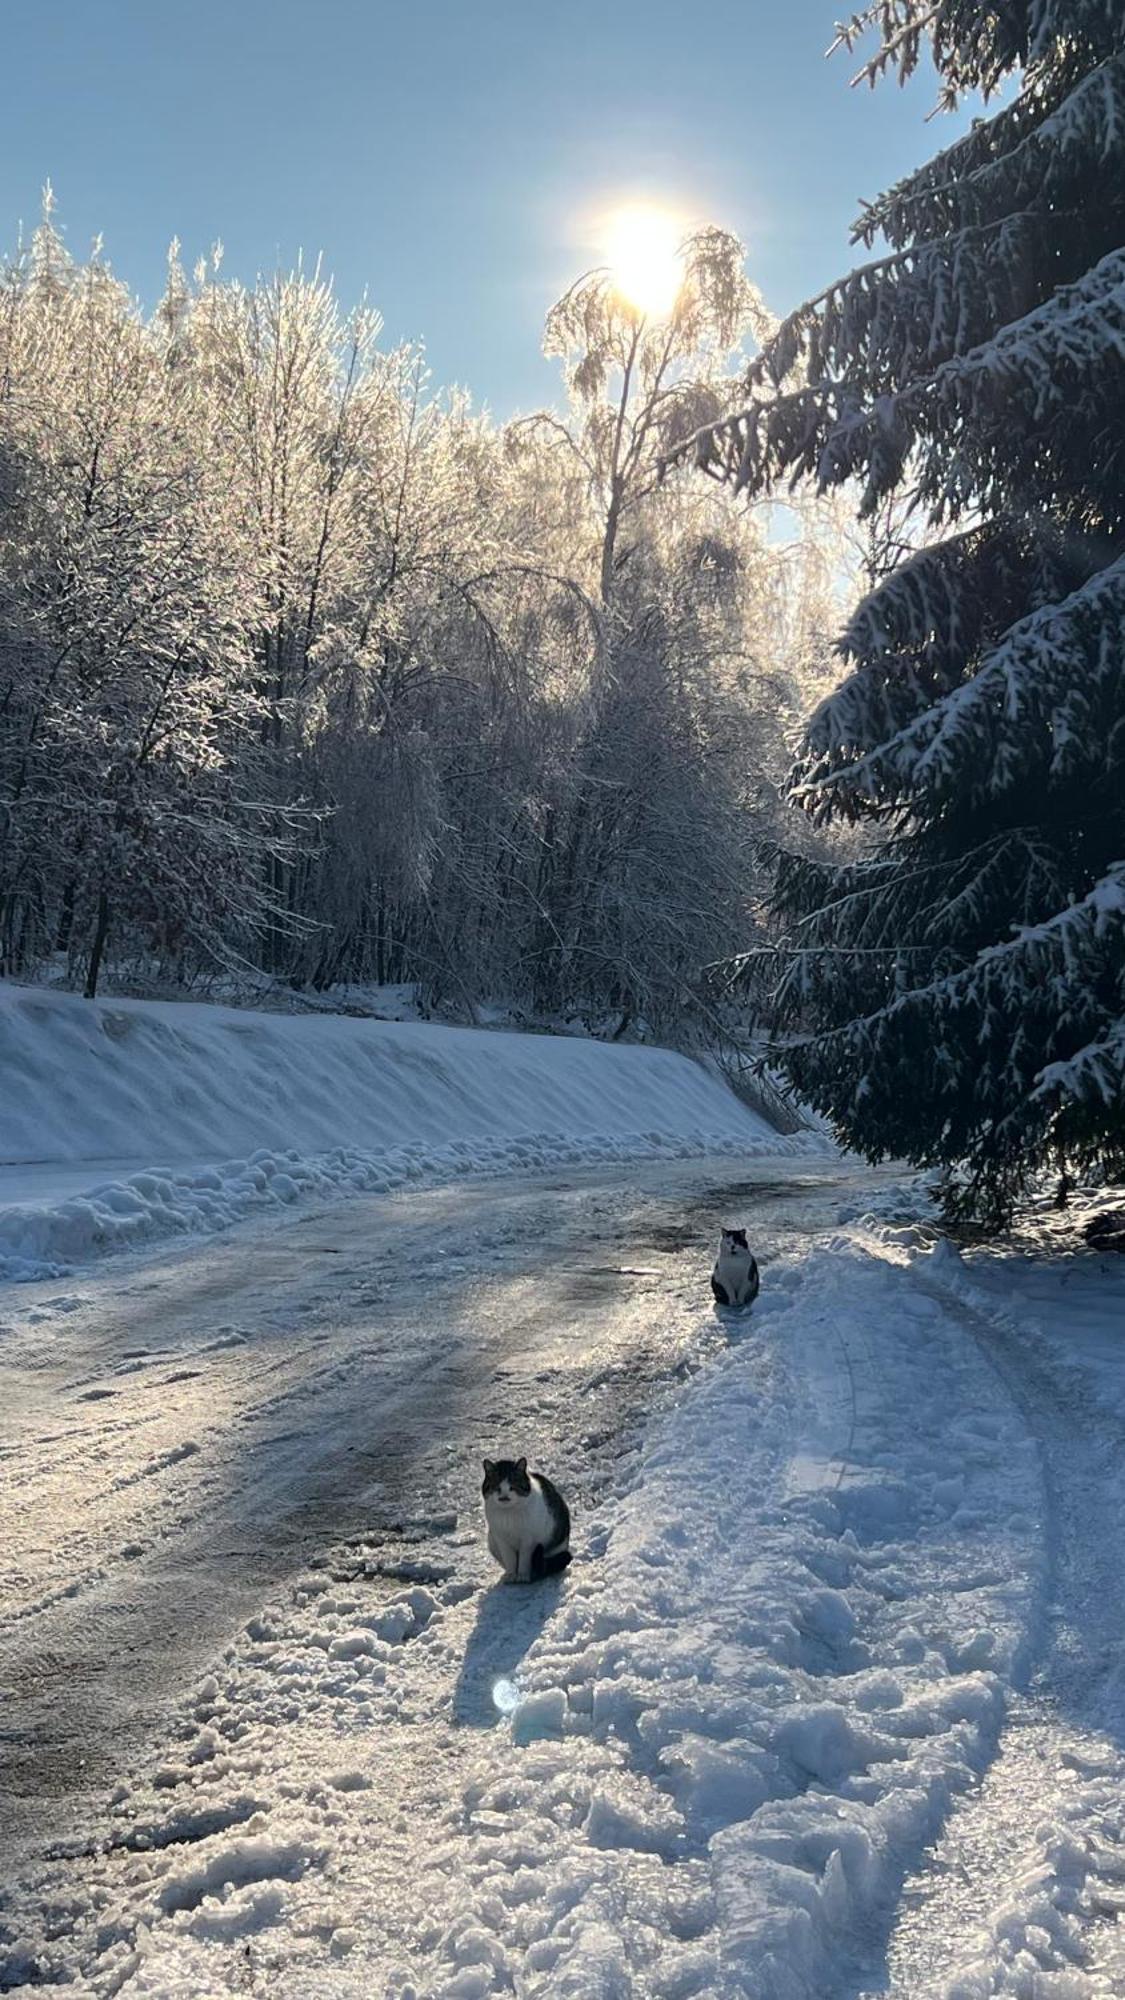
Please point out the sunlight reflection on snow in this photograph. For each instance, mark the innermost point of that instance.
(505, 1696)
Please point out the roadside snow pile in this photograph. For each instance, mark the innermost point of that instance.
(699, 1764)
(901, 1205)
(245, 1111)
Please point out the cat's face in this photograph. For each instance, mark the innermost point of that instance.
(734, 1239)
(505, 1480)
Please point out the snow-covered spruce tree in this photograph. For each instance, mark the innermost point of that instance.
(958, 985)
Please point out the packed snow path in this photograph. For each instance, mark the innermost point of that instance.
(272, 1728)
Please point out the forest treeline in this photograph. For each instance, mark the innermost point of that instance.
(310, 670)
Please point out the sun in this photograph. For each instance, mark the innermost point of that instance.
(642, 249)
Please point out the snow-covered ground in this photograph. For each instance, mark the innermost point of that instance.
(830, 1703)
(127, 1121)
(1024, 1895)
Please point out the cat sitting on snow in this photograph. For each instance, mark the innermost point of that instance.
(528, 1521)
(734, 1279)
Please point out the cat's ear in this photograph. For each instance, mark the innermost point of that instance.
(489, 1468)
(521, 1465)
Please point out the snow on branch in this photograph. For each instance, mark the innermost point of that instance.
(973, 47)
(940, 604)
(1091, 25)
(1076, 955)
(1062, 980)
(1035, 153)
(896, 214)
(899, 317)
(1065, 939)
(1042, 697)
(982, 419)
(918, 907)
(989, 414)
(1095, 1075)
(1064, 949)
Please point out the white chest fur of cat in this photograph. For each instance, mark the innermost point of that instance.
(527, 1520)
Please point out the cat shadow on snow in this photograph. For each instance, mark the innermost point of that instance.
(509, 1621)
(737, 1322)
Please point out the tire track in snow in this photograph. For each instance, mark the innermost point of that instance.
(1026, 1884)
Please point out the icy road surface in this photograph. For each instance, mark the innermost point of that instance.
(830, 1704)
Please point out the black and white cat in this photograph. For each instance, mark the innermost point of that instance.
(734, 1279)
(528, 1520)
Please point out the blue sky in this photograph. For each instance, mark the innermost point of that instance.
(446, 156)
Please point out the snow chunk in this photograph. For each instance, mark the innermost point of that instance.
(235, 1863)
(542, 1714)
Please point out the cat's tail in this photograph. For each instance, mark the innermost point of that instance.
(549, 1565)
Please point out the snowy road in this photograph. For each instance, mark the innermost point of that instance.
(182, 1435)
(831, 1703)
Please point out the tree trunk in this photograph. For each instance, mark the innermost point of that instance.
(609, 543)
(66, 918)
(95, 965)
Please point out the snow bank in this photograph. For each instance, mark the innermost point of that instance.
(243, 1111)
(791, 1659)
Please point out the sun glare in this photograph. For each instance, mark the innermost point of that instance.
(505, 1696)
(642, 247)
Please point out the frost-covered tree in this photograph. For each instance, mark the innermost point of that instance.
(640, 383)
(958, 981)
(310, 672)
(646, 861)
(124, 695)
